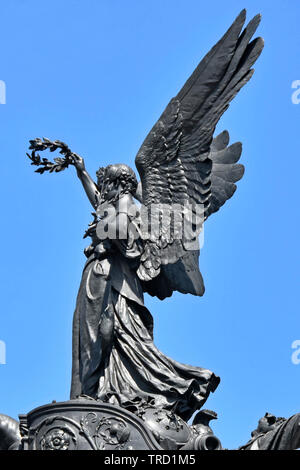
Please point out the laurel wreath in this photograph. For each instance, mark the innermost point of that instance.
(59, 164)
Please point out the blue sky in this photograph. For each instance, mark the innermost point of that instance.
(97, 74)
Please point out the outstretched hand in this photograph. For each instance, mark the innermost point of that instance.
(78, 162)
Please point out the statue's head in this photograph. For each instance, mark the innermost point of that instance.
(115, 180)
(267, 423)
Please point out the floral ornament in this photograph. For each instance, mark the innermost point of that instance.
(113, 431)
(56, 439)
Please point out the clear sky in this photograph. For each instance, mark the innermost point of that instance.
(97, 74)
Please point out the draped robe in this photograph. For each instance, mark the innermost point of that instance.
(114, 357)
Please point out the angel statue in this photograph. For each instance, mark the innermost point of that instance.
(180, 162)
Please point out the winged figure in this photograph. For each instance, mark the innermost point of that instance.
(180, 162)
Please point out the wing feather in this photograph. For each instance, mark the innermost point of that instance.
(180, 163)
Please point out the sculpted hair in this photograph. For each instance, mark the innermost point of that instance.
(121, 174)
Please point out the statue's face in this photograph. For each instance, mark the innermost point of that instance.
(110, 185)
(265, 425)
(108, 188)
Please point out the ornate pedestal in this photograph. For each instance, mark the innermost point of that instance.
(85, 424)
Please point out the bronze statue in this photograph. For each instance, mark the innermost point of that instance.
(125, 393)
(10, 437)
(179, 163)
(274, 433)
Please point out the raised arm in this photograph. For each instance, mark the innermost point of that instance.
(86, 180)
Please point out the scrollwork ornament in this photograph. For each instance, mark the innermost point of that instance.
(113, 431)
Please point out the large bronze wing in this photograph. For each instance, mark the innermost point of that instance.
(180, 162)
